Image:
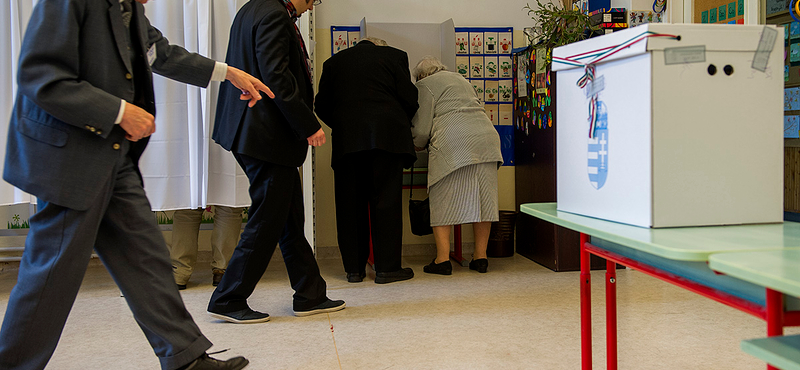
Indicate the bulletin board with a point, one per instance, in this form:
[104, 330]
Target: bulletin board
[483, 57]
[791, 78]
[719, 11]
[533, 106]
[343, 37]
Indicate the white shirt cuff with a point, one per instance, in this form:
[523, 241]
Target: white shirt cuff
[220, 71]
[121, 112]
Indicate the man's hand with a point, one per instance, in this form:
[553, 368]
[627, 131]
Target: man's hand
[317, 139]
[137, 122]
[249, 85]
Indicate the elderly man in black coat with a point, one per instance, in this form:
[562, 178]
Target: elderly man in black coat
[367, 98]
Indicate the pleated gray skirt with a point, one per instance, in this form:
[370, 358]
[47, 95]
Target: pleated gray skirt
[466, 195]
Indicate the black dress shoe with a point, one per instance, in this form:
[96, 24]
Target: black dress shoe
[390, 277]
[443, 268]
[479, 265]
[245, 316]
[356, 277]
[181, 286]
[205, 362]
[327, 306]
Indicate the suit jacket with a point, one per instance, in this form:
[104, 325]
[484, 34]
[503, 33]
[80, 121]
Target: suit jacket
[264, 43]
[367, 98]
[62, 140]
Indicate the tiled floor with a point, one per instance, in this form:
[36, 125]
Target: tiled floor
[518, 316]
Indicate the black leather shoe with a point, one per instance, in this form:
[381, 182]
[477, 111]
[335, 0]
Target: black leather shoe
[216, 276]
[327, 306]
[390, 277]
[444, 268]
[245, 316]
[479, 265]
[205, 362]
[356, 277]
[181, 286]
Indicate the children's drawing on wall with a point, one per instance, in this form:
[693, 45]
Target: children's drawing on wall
[639, 17]
[354, 37]
[491, 91]
[476, 67]
[340, 41]
[505, 67]
[478, 86]
[476, 42]
[490, 42]
[462, 66]
[491, 67]
[791, 127]
[504, 38]
[462, 41]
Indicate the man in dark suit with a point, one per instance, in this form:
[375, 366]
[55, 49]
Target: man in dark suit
[270, 141]
[367, 98]
[82, 116]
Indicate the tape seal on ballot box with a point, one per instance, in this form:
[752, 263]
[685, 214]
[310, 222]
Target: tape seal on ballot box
[768, 36]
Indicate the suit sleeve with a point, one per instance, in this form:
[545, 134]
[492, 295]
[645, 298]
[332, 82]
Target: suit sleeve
[406, 91]
[177, 63]
[323, 101]
[273, 48]
[49, 71]
[422, 123]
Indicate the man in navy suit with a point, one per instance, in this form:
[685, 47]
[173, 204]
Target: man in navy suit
[83, 113]
[270, 141]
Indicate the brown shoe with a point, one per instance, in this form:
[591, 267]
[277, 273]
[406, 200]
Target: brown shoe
[216, 276]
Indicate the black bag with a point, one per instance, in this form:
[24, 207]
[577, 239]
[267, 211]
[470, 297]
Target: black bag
[419, 213]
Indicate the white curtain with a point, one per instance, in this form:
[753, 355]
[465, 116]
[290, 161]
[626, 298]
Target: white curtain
[14, 15]
[182, 166]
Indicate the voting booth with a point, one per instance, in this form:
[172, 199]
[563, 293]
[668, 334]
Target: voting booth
[668, 125]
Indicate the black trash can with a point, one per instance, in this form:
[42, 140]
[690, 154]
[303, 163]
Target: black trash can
[501, 238]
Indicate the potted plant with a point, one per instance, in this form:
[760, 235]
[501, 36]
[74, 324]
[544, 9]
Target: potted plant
[557, 23]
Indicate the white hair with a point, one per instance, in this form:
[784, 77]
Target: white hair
[375, 40]
[428, 66]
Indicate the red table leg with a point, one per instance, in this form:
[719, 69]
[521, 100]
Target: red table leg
[586, 306]
[611, 314]
[774, 316]
[456, 253]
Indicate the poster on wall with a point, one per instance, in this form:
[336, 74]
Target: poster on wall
[483, 56]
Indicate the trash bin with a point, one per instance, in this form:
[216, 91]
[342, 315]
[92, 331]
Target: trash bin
[501, 237]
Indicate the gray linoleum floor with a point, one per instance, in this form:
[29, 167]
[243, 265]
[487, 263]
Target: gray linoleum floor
[518, 316]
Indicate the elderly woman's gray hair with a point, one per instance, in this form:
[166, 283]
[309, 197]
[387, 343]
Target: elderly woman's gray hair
[375, 40]
[428, 66]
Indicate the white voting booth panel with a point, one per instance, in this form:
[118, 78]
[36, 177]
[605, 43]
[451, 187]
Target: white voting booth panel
[689, 130]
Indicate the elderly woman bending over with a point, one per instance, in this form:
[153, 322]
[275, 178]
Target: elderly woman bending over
[464, 155]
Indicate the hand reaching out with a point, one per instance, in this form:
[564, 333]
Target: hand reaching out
[249, 85]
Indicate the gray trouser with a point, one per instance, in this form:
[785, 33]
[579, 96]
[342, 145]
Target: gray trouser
[122, 230]
[186, 226]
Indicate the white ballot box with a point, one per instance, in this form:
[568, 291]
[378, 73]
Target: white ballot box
[686, 130]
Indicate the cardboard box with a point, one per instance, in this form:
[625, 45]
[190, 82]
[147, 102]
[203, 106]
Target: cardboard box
[688, 130]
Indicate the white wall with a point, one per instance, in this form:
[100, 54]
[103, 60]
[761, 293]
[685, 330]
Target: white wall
[465, 13]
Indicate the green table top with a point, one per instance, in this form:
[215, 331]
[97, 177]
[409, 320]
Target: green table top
[778, 269]
[782, 352]
[683, 243]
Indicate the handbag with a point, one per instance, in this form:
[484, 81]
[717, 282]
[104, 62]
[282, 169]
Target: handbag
[419, 213]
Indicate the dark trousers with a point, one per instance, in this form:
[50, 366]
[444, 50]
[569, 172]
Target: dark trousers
[275, 216]
[369, 191]
[122, 230]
